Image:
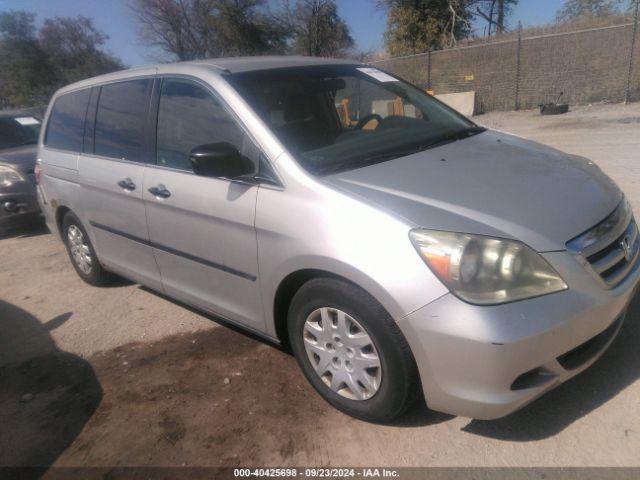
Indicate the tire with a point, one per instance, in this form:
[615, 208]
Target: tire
[95, 274]
[554, 109]
[397, 382]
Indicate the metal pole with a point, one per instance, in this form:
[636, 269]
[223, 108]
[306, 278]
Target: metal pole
[633, 42]
[518, 51]
[429, 70]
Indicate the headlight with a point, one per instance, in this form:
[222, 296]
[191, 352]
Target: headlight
[8, 175]
[486, 270]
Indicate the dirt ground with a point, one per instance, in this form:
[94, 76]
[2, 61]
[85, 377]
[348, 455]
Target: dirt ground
[120, 376]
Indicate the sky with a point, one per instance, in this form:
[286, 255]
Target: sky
[367, 22]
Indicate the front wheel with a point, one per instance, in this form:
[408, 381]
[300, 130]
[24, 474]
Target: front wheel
[351, 350]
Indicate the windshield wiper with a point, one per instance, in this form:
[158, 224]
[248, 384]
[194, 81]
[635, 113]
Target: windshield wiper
[382, 157]
[371, 160]
[458, 135]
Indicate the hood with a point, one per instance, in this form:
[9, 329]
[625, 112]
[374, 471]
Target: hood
[490, 184]
[20, 158]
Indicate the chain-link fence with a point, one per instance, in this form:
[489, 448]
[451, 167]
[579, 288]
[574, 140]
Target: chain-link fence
[590, 65]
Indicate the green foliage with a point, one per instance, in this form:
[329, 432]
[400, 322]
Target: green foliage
[35, 64]
[415, 26]
[25, 74]
[574, 9]
[72, 47]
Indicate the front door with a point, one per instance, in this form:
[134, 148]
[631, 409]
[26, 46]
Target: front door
[202, 229]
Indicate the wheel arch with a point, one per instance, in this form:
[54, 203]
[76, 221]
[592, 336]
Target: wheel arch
[288, 287]
[60, 213]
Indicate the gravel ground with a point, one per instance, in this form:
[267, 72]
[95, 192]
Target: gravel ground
[121, 376]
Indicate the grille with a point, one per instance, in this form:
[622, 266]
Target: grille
[610, 249]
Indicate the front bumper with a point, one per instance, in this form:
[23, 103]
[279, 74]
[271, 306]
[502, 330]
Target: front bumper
[18, 202]
[485, 362]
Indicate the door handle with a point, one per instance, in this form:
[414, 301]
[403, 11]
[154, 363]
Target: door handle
[127, 184]
[160, 191]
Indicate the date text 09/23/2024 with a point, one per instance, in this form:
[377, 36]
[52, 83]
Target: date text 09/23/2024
[316, 472]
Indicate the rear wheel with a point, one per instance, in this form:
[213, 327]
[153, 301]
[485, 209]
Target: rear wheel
[81, 253]
[351, 350]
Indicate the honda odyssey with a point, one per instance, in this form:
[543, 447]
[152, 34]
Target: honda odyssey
[394, 245]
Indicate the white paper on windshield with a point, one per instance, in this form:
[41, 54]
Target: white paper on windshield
[27, 121]
[378, 75]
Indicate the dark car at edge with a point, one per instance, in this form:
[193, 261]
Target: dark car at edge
[19, 133]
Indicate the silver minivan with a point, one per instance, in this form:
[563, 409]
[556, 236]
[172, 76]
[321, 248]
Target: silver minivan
[394, 245]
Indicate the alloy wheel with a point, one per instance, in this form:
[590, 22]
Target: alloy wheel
[79, 249]
[342, 353]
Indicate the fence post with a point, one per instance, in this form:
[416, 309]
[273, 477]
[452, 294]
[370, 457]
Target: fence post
[518, 51]
[429, 69]
[633, 41]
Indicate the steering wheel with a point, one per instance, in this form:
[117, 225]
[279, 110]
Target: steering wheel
[366, 119]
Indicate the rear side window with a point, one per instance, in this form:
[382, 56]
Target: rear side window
[120, 120]
[65, 129]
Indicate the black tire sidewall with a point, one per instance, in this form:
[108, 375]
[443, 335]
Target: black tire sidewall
[94, 277]
[398, 386]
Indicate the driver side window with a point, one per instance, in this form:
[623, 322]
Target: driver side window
[190, 116]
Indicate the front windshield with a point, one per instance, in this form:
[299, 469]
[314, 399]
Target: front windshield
[19, 130]
[334, 118]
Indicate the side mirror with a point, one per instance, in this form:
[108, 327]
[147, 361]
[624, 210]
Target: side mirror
[219, 160]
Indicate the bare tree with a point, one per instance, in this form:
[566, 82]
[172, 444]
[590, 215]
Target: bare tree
[178, 27]
[495, 13]
[415, 26]
[459, 19]
[190, 29]
[317, 29]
